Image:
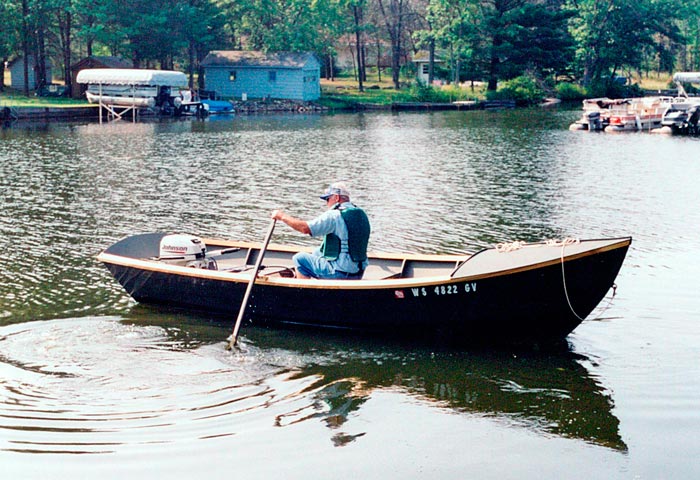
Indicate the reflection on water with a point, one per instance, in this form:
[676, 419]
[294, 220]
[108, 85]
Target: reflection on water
[547, 392]
[105, 385]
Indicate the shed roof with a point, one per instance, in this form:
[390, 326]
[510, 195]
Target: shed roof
[20, 58]
[423, 56]
[132, 76]
[249, 58]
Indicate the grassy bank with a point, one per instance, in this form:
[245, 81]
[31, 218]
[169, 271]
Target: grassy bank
[13, 99]
[342, 93]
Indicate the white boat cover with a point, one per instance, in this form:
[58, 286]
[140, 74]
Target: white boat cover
[687, 77]
[132, 76]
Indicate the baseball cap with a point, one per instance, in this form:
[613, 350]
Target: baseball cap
[337, 188]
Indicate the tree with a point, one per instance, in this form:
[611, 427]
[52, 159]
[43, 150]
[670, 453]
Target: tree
[63, 11]
[524, 35]
[10, 39]
[357, 7]
[395, 15]
[202, 29]
[452, 25]
[611, 34]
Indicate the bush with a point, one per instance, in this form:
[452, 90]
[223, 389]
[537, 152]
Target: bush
[523, 90]
[420, 92]
[570, 92]
[606, 88]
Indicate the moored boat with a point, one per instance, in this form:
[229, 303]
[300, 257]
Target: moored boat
[512, 293]
[638, 114]
[595, 114]
[217, 106]
[683, 116]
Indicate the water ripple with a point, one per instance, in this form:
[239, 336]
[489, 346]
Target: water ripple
[96, 385]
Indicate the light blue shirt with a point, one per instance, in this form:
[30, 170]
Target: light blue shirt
[331, 221]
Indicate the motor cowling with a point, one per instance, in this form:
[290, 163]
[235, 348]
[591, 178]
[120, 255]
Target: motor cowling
[183, 249]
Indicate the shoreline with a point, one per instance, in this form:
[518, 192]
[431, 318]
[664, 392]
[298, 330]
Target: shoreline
[90, 111]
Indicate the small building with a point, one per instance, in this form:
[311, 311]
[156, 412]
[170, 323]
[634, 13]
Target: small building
[253, 74]
[422, 61]
[16, 68]
[93, 61]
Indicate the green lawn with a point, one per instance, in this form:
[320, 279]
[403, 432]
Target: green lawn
[344, 89]
[12, 98]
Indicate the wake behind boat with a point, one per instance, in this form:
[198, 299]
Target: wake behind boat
[513, 293]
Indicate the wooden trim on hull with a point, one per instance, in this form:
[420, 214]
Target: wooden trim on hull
[389, 283]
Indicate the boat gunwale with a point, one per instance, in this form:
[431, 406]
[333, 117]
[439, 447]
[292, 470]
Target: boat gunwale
[360, 284]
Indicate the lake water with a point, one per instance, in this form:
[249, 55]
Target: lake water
[93, 385]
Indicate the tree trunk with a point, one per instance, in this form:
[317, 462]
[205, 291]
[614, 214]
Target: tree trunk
[65, 27]
[396, 67]
[191, 51]
[431, 62]
[25, 45]
[40, 73]
[379, 60]
[357, 14]
[201, 80]
[2, 73]
[394, 25]
[494, 64]
[364, 63]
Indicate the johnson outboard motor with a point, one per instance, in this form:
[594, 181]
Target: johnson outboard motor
[185, 250]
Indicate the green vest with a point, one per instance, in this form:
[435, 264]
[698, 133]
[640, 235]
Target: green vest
[358, 227]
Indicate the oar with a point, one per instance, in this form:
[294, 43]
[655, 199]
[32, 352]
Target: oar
[258, 262]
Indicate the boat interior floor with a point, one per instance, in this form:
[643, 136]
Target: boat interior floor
[280, 263]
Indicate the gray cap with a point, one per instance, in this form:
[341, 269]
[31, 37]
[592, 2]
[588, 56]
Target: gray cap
[337, 188]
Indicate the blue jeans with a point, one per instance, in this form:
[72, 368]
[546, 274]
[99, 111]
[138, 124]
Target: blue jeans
[316, 266]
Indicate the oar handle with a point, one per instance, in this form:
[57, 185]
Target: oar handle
[244, 304]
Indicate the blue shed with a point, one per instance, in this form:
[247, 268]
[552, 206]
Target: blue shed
[253, 74]
[16, 67]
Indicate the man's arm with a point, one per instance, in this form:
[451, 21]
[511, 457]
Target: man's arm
[296, 223]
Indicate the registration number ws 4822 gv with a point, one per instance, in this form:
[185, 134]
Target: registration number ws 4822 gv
[452, 289]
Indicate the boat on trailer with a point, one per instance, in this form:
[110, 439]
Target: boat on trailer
[515, 293]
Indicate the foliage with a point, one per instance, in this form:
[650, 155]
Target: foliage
[420, 92]
[607, 88]
[567, 91]
[486, 40]
[524, 90]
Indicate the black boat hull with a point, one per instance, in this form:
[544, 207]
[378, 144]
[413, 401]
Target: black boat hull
[541, 303]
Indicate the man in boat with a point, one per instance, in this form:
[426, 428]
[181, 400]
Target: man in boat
[345, 228]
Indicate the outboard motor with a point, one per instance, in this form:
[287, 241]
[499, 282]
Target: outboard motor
[185, 250]
[694, 119]
[594, 121]
[675, 119]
